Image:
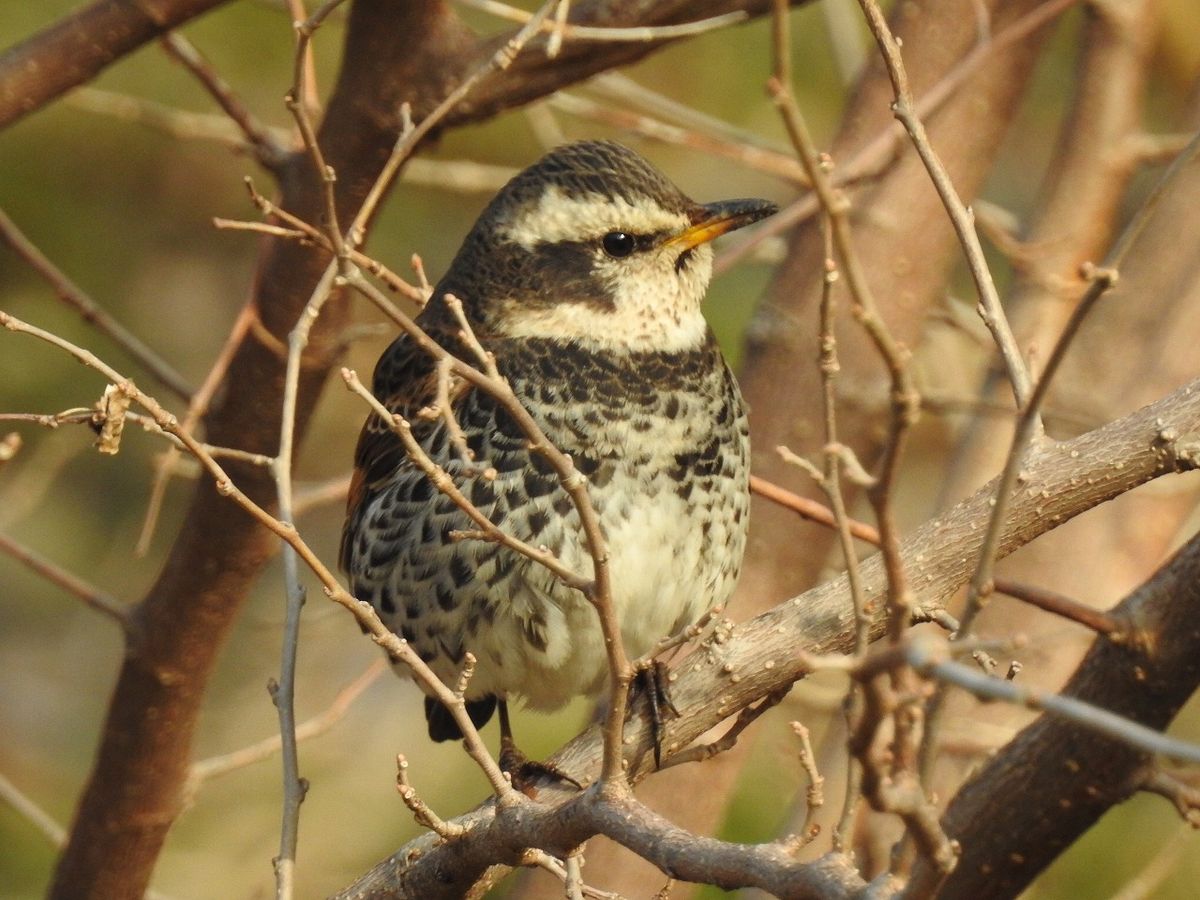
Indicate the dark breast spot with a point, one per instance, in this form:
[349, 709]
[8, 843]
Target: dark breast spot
[387, 601]
[537, 522]
[446, 598]
[461, 571]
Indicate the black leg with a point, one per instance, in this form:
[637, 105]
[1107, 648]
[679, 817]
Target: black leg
[523, 770]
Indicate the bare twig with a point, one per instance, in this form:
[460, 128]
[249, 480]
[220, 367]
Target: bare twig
[758, 158]
[418, 294]
[268, 149]
[1184, 796]
[92, 312]
[408, 141]
[31, 812]
[745, 718]
[905, 109]
[72, 584]
[929, 656]
[177, 123]
[815, 794]
[419, 808]
[197, 406]
[441, 479]
[567, 31]
[215, 766]
[1146, 884]
[308, 498]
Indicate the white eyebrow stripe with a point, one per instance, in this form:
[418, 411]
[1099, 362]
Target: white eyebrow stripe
[560, 217]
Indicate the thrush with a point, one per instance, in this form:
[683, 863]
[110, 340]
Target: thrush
[584, 277]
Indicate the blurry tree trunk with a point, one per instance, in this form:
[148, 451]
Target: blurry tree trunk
[1134, 347]
[135, 790]
[1006, 844]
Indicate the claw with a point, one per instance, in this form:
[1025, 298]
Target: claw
[651, 677]
[525, 772]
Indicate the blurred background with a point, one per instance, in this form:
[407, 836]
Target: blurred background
[125, 209]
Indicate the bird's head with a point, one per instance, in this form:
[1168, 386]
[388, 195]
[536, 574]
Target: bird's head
[593, 244]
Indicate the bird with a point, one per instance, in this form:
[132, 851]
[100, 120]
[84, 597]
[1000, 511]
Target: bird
[583, 278]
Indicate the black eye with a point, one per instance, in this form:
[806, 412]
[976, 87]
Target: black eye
[618, 244]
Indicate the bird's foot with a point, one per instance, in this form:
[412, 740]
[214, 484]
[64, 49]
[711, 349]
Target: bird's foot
[526, 773]
[650, 677]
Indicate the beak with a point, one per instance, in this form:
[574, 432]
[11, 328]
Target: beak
[714, 219]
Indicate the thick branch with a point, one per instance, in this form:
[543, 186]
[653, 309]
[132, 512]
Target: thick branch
[1060, 481]
[77, 47]
[1146, 679]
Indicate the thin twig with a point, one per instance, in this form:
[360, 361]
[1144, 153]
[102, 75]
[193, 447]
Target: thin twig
[169, 120]
[815, 794]
[334, 490]
[440, 478]
[874, 158]
[197, 406]
[745, 718]
[421, 811]
[32, 813]
[758, 158]
[75, 586]
[215, 766]
[92, 313]
[500, 60]
[418, 294]
[929, 658]
[363, 613]
[961, 218]
[1146, 884]
[268, 149]
[640, 33]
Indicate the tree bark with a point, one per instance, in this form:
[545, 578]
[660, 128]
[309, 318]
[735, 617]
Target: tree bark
[1068, 776]
[78, 47]
[134, 792]
[760, 657]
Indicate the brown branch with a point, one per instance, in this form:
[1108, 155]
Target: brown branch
[216, 766]
[270, 152]
[80, 45]
[72, 584]
[91, 311]
[136, 789]
[1005, 844]
[761, 657]
[1045, 600]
